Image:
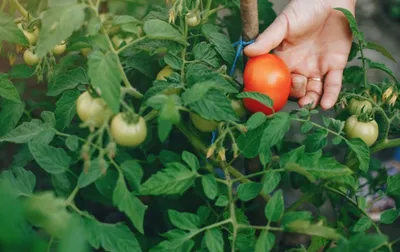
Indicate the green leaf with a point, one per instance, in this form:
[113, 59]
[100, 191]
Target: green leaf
[271, 180]
[8, 90]
[74, 238]
[24, 132]
[214, 240]
[10, 114]
[381, 49]
[174, 179]
[210, 186]
[256, 120]
[328, 167]
[220, 41]
[206, 53]
[316, 140]
[393, 185]
[108, 79]
[306, 127]
[222, 201]
[22, 181]
[198, 73]
[66, 108]
[21, 71]
[353, 23]
[128, 203]
[262, 98]
[94, 25]
[275, 131]
[353, 75]
[133, 173]
[142, 62]
[382, 67]
[215, 106]
[367, 242]
[290, 217]
[94, 172]
[68, 80]
[275, 207]
[191, 160]
[389, 216]
[316, 244]
[157, 29]
[52, 160]
[184, 221]
[173, 61]
[306, 227]
[362, 152]
[197, 92]
[249, 143]
[248, 191]
[266, 14]
[111, 237]
[363, 224]
[72, 142]
[106, 184]
[57, 25]
[181, 243]
[265, 242]
[10, 32]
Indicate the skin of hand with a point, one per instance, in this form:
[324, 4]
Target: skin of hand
[314, 40]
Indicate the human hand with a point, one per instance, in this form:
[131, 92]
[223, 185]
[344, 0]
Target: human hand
[314, 40]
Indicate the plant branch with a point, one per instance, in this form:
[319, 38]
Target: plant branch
[267, 228]
[130, 44]
[20, 8]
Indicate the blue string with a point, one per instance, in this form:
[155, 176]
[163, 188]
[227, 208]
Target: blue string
[240, 46]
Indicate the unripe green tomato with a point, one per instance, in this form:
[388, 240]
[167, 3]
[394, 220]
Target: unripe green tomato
[366, 131]
[85, 51]
[30, 58]
[202, 124]
[164, 73]
[59, 49]
[239, 108]
[92, 110]
[193, 19]
[357, 106]
[128, 134]
[32, 37]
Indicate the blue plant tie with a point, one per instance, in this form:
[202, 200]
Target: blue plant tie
[240, 46]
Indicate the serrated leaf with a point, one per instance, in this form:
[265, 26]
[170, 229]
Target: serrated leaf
[353, 23]
[112, 237]
[10, 32]
[275, 207]
[128, 203]
[141, 61]
[214, 240]
[191, 160]
[94, 172]
[317, 140]
[57, 26]
[275, 130]
[108, 79]
[174, 179]
[363, 224]
[290, 217]
[271, 180]
[210, 186]
[21, 71]
[222, 201]
[133, 173]
[361, 151]
[262, 98]
[381, 49]
[353, 75]
[248, 191]
[66, 108]
[10, 114]
[184, 221]
[389, 216]
[158, 29]
[24, 132]
[382, 67]
[72, 142]
[206, 53]
[173, 61]
[249, 143]
[23, 181]
[256, 120]
[306, 127]
[220, 41]
[393, 185]
[66, 81]
[8, 90]
[265, 242]
[52, 160]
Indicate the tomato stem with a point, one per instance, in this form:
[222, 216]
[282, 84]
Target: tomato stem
[20, 8]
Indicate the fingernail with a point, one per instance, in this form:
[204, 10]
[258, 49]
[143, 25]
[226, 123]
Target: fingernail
[297, 83]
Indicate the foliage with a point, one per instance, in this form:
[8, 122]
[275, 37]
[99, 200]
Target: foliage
[69, 185]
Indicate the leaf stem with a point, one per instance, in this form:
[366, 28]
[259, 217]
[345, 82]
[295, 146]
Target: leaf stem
[363, 63]
[130, 44]
[72, 196]
[267, 228]
[20, 8]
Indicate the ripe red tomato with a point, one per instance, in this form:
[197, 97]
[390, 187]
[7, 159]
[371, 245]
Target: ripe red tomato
[269, 75]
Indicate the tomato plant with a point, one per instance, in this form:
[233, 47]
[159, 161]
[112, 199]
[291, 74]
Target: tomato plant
[126, 126]
[269, 75]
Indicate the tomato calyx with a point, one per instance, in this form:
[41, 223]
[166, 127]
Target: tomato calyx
[130, 117]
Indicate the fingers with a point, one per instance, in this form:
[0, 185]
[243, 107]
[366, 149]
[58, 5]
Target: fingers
[299, 84]
[313, 95]
[269, 39]
[332, 87]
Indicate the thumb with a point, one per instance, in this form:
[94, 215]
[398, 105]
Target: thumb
[270, 38]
